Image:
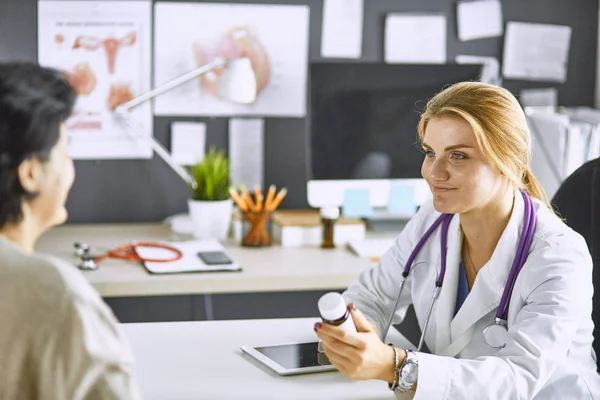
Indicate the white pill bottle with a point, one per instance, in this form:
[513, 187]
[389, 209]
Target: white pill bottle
[334, 311]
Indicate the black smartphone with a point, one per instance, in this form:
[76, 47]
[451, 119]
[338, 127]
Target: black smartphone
[214, 258]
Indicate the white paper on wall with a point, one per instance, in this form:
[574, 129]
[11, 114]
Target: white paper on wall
[415, 39]
[479, 19]
[536, 52]
[246, 151]
[188, 141]
[342, 31]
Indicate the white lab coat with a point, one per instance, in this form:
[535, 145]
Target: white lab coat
[548, 354]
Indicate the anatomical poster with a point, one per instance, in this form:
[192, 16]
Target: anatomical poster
[273, 37]
[103, 48]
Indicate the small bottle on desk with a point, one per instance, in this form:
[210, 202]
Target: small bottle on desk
[329, 216]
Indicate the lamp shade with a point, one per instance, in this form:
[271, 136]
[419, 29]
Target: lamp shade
[238, 82]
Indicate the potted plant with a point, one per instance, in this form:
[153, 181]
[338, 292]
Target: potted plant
[211, 205]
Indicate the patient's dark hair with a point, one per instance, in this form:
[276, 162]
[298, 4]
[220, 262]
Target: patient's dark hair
[34, 101]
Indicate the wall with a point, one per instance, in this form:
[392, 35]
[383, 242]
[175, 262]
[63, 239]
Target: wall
[147, 190]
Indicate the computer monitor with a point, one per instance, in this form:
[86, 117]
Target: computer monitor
[362, 127]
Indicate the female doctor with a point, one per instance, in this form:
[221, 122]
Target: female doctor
[501, 287]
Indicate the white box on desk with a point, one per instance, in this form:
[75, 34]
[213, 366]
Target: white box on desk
[303, 228]
[300, 236]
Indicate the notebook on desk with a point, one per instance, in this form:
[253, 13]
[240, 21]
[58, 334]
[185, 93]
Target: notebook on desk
[190, 262]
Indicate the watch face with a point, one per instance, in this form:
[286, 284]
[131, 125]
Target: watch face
[409, 373]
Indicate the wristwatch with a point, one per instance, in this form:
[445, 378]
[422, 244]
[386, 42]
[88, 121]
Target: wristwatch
[408, 372]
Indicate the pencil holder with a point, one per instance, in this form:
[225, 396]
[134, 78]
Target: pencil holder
[256, 229]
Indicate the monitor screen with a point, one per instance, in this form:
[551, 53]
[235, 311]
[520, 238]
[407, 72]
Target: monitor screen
[364, 117]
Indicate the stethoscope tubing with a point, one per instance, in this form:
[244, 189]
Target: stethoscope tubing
[527, 234]
[128, 253]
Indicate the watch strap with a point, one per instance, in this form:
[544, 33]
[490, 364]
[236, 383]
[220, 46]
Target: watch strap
[411, 357]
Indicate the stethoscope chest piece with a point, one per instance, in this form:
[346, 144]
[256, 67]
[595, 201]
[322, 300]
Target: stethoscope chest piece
[495, 334]
[81, 249]
[88, 261]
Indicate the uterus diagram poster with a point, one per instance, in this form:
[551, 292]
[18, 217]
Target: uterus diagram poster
[104, 50]
[273, 37]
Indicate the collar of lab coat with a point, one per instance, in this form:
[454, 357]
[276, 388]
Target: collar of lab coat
[487, 290]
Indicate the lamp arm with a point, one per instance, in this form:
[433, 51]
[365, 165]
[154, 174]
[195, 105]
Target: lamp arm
[123, 111]
[165, 87]
[159, 149]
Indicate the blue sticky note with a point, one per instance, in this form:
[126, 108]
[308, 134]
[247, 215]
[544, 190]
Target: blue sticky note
[402, 199]
[356, 203]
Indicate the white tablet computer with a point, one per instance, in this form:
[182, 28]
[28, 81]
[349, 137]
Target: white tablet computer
[291, 358]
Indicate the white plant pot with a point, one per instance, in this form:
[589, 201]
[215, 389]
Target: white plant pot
[210, 219]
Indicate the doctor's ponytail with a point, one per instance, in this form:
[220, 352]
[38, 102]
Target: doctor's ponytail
[500, 127]
[534, 188]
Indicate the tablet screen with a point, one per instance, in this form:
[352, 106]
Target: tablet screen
[299, 355]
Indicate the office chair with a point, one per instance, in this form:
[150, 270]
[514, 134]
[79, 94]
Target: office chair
[578, 201]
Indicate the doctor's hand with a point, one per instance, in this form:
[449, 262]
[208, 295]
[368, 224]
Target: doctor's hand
[360, 355]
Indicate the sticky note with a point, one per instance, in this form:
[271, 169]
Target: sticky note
[402, 199]
[342, 28]
[356, 203]
[479, 19]
[246, 151]
[415, 38]
[187, 142]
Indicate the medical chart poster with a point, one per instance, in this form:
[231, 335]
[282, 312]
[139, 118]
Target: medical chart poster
[103, 47]
[273, 37]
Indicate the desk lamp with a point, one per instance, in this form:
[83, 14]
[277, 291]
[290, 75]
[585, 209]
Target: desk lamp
[237, 84]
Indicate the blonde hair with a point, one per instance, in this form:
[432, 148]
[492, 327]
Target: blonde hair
[499, 124]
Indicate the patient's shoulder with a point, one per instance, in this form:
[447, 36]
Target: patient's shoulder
[68, 278]
[41, 283]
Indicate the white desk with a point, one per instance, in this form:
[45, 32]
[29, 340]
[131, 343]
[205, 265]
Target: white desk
[202, 360]
[264, 269]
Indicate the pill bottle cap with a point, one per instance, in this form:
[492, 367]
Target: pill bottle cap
[332, 306]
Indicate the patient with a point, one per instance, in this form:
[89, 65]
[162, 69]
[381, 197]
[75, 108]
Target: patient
[58, 339]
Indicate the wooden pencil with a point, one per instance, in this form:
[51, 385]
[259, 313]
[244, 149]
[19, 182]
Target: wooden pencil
[270, 197]
[247, 198]
[278, 199]
[238, 200]
[258, 196]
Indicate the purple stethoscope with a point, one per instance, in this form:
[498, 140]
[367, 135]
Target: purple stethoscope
[495, 334]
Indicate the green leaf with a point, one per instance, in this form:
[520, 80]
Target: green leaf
[212, 177]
